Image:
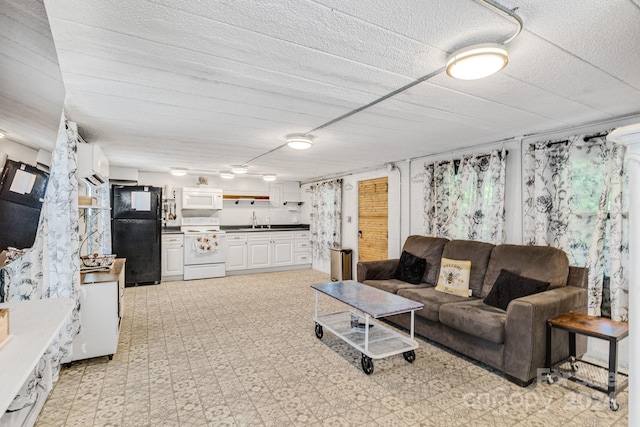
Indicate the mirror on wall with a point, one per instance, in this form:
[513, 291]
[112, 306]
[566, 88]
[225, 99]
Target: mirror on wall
[31, 104]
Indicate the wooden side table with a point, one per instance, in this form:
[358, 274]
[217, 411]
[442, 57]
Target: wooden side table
[591, 326]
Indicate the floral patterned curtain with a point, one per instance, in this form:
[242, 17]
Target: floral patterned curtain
[576, 199]
[326, 217]
[51, 268]
[467, 203]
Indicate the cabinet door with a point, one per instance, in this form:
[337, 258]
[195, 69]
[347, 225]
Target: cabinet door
[282, 252]
[172, 255]
[276, 196]
[259, 251]
[236, 255]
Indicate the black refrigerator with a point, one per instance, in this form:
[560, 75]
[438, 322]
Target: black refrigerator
[136, 231]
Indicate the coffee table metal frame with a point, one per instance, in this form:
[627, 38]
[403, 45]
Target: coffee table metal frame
[355, 327]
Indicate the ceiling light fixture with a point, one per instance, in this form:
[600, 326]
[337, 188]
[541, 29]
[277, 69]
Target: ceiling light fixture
[178, 171]
[299, 141]
[239, 169]
[477, 61]
[227, 175]
[2, 134]
[269, 177]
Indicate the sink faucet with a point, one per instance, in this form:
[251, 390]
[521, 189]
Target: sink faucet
[255, 220]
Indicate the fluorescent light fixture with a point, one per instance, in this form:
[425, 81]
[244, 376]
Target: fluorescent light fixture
[227, 175]
[299, 141]
[478, 61]
[178, 171]
[269, 177]
[239, 169]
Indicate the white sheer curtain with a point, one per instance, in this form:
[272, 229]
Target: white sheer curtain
[326, 217]
[51, 268]
[576, 199]
[467, 203]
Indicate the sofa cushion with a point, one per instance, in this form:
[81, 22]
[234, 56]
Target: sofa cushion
[431, 299]
[454, 277]
[392, 285]
[475, 318]
[510, 286]
[410, 268]
[542, 263]
[429, 248]
[478, 253]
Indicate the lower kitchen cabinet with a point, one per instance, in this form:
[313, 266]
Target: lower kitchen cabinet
[172, 256]
[100, 313]
[267, 251]
[236, 251]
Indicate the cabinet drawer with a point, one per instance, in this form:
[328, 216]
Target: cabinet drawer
[173, 239]
[303, 246]
[259, 236]
[303, 258]
[282, 235]
[303, 235]
[232, 237]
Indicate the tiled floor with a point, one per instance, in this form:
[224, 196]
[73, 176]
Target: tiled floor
[241, 351]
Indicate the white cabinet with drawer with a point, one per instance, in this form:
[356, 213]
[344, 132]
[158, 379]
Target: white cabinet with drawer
[236, 251]
[303, 247]
[172, 256]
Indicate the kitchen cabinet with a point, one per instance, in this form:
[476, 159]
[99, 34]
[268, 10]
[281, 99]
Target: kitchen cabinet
[259, 250]
[100, 313]
[236, 251]
[172, 255]
[276, 196]
[282, 248]
[302, 247]
[201, 198]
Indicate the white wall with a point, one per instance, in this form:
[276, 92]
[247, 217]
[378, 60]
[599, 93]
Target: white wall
[232, 213]
[18, 152]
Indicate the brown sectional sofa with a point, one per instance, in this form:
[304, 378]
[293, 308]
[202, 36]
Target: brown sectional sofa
[512, 341]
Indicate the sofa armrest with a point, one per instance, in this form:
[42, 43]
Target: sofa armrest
[377, 270]
[526, 329]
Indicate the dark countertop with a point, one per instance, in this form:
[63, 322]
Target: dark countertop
[171, 230]
[275, 227]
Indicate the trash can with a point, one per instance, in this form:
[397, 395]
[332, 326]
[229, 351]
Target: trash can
[340, 264]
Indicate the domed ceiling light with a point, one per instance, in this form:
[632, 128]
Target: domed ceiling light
[178, 171]
[478, 61]
[299, 141]
[269, 177]
[227, 175]
[239, 169]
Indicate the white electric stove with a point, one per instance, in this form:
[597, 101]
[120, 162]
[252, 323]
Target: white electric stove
[204, 248]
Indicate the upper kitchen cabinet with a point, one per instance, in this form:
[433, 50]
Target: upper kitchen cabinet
[201, 198]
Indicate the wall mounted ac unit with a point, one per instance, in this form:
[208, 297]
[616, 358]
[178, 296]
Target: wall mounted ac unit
[93, 166]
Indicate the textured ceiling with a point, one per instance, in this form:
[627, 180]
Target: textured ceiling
[204, 85]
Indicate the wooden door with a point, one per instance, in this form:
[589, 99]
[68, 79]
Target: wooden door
[373, 219]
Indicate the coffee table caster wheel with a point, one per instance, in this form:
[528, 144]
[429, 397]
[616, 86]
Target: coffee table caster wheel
[319, 331]
[409, 356]
[573, 364]
[613, 405]
[367, 364]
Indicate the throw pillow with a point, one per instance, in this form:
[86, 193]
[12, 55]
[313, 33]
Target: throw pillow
[454, 277]
[509, 286]
[410, 268]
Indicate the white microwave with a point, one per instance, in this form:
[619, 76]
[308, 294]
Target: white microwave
[201, 198]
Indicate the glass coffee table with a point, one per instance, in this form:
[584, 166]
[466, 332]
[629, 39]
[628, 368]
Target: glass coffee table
[373, 339]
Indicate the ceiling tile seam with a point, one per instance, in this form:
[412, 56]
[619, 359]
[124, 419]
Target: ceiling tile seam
[257, 89]
[164, 89]
[479, 146]
[297, 44]
[372, 67]
[584, 61]
[291, 76]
